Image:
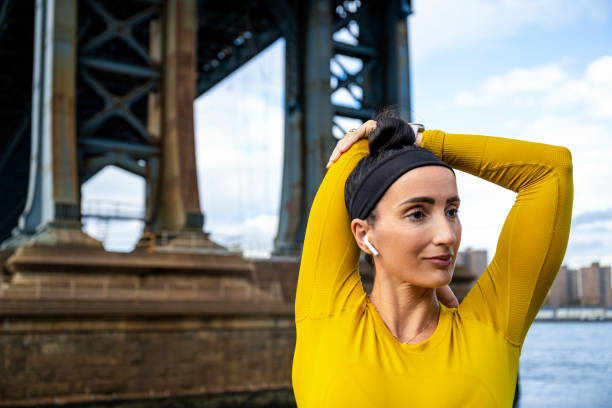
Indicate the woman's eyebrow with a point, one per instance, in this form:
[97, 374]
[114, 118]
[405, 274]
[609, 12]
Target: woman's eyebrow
[428, 200]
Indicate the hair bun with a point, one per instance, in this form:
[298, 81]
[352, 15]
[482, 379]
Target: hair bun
[391, 133]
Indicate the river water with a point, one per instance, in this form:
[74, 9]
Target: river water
[567, 365]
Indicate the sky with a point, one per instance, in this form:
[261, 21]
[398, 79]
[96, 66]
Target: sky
[537, 70]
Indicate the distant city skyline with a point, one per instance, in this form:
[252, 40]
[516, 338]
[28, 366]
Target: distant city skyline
[585, 286]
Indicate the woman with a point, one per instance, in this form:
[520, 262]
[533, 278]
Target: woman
[401, 346]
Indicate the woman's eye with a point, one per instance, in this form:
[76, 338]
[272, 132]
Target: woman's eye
[453, 212]
[417, 215]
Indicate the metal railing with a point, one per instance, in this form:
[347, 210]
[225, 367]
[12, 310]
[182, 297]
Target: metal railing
[112, 210]
[101, 213]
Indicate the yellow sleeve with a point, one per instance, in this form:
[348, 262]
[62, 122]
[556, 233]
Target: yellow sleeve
[329, 279]
[534, 237]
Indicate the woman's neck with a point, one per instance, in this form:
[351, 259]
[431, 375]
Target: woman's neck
[410, 312]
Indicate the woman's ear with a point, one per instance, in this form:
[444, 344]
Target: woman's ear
[360, 228]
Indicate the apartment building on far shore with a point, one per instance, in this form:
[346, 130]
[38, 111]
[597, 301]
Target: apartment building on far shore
[587, 286]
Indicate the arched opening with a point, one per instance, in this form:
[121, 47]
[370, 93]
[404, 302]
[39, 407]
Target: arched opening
[112, 208]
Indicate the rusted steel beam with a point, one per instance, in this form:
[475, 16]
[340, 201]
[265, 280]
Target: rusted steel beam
[308, 118]
[235, 56]
[61, 94]
[397, 64]
[178, 198]
[117, 106]
[119, 67]
[51, 213]
[154, 127]
[292, 192]
[114, 29]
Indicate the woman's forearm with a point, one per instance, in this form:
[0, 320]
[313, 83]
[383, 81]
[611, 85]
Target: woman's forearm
[509, 163]
[328, 278]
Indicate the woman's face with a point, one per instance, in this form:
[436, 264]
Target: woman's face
[417, 220]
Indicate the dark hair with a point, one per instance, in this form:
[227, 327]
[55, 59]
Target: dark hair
[391, 134]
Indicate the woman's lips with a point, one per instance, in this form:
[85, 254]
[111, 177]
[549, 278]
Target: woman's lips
[441, 260]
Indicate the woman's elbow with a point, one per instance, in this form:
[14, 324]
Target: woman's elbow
[564, 170]
[563, 158]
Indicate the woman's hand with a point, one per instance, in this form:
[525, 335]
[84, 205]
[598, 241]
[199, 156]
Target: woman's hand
[447, 297]
[362, 132]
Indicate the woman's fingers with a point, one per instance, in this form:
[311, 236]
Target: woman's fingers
[340, 148]
[333, 156]
[369, 126]
[447, 297]
[350, 138]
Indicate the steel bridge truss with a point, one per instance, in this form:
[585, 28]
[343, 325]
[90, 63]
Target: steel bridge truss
[114, 84]
[119, 62]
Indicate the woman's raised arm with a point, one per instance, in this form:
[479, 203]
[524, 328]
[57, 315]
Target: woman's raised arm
[329, 278]
[534, 237]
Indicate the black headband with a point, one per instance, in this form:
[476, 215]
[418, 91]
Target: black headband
[380, 178]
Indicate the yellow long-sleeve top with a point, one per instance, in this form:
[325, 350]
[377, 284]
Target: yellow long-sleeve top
[345, 356]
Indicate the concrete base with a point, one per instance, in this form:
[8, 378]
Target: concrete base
[64, 234]
[197, 241]
[67, 281]
[87, 327]
[140, 362]
[273, 398]
[29, 258]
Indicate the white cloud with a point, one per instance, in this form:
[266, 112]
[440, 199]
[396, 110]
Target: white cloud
[465, 98]
[519, 81]
[117, 236]
[115, 185]
[599, 76]
[239, 156]
[253, 236]
[548, 88]
[441, 25]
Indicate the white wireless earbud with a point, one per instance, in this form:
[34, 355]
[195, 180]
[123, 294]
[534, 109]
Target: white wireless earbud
[370, 246]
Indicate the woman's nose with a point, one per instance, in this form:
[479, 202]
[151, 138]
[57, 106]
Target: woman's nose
[445, 232]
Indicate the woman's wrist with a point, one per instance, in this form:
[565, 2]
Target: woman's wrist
[417, 131]
[353, 135]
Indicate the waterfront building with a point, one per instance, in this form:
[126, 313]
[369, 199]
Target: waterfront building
[474, 260]
[564, 290]
[594, 285]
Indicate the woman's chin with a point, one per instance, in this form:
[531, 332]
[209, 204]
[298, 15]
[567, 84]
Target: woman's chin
[441, 279]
